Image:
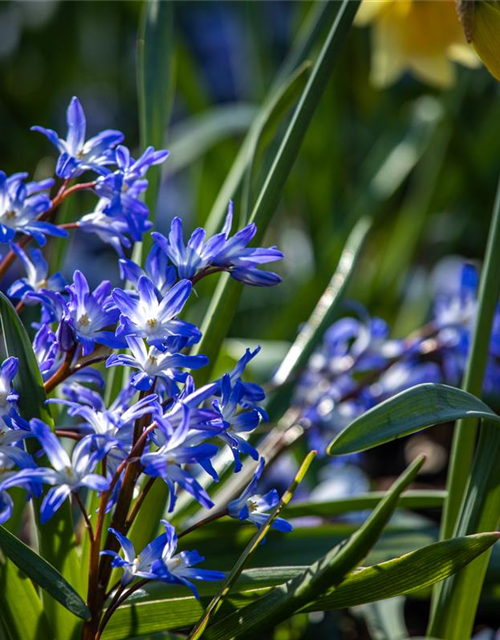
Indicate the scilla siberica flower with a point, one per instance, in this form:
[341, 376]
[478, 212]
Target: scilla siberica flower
[255, 508]
[122, 188]
[8, 397]
[146, 316]
[68, 475]
[37, 270]
[220, 252]
[77, 154]
[21, 204]
[158, 561]
[153, 363]
[178, 447]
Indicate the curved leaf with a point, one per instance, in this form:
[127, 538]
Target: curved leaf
[42, 573]
[417, 408]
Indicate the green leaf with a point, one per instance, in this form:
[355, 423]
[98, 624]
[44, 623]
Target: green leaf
[155, 82]
[21, 612]
[56, 537]
[42, 573]
[324, 574]
[28, 381]
[215, 604]
[411, 572]
[416, 408]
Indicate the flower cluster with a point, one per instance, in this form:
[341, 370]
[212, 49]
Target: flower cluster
[160, 427]
[359, 365]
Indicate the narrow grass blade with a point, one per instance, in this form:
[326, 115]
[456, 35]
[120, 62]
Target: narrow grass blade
[416, 408]
[326, 573]
[42, 573]
[215, 604]
[316, 24]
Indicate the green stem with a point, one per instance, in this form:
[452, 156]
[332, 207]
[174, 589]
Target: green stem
[466, 430]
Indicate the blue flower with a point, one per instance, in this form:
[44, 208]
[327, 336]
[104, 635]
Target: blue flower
[151, 318]
[21, 204]
[157, 269]
[178, 568]
[78, 155]
[112, 231]
[154, 363]
[235, 422]
[179, 447]
[254, 507]
[85, 317]
[158, 561]
[8, 397]
[37, 270]
[191, 257]
[123, 188]
[68, 475]
[221, 253]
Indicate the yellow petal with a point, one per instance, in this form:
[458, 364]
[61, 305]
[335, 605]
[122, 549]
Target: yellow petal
[369, 11]
[486, 35]
[465, 55]
[435, 70]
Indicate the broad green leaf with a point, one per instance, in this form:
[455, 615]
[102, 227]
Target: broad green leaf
[189, 140]
[416, 408]
[235, 572]
[411, 572]
[56, 537]
[155, 81]
[42, 573]
[21, 611]
[326, 573]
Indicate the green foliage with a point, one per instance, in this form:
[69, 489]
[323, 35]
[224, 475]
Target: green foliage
[416, 408]
[42, 573]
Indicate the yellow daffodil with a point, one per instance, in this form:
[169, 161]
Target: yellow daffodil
[424, 37]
